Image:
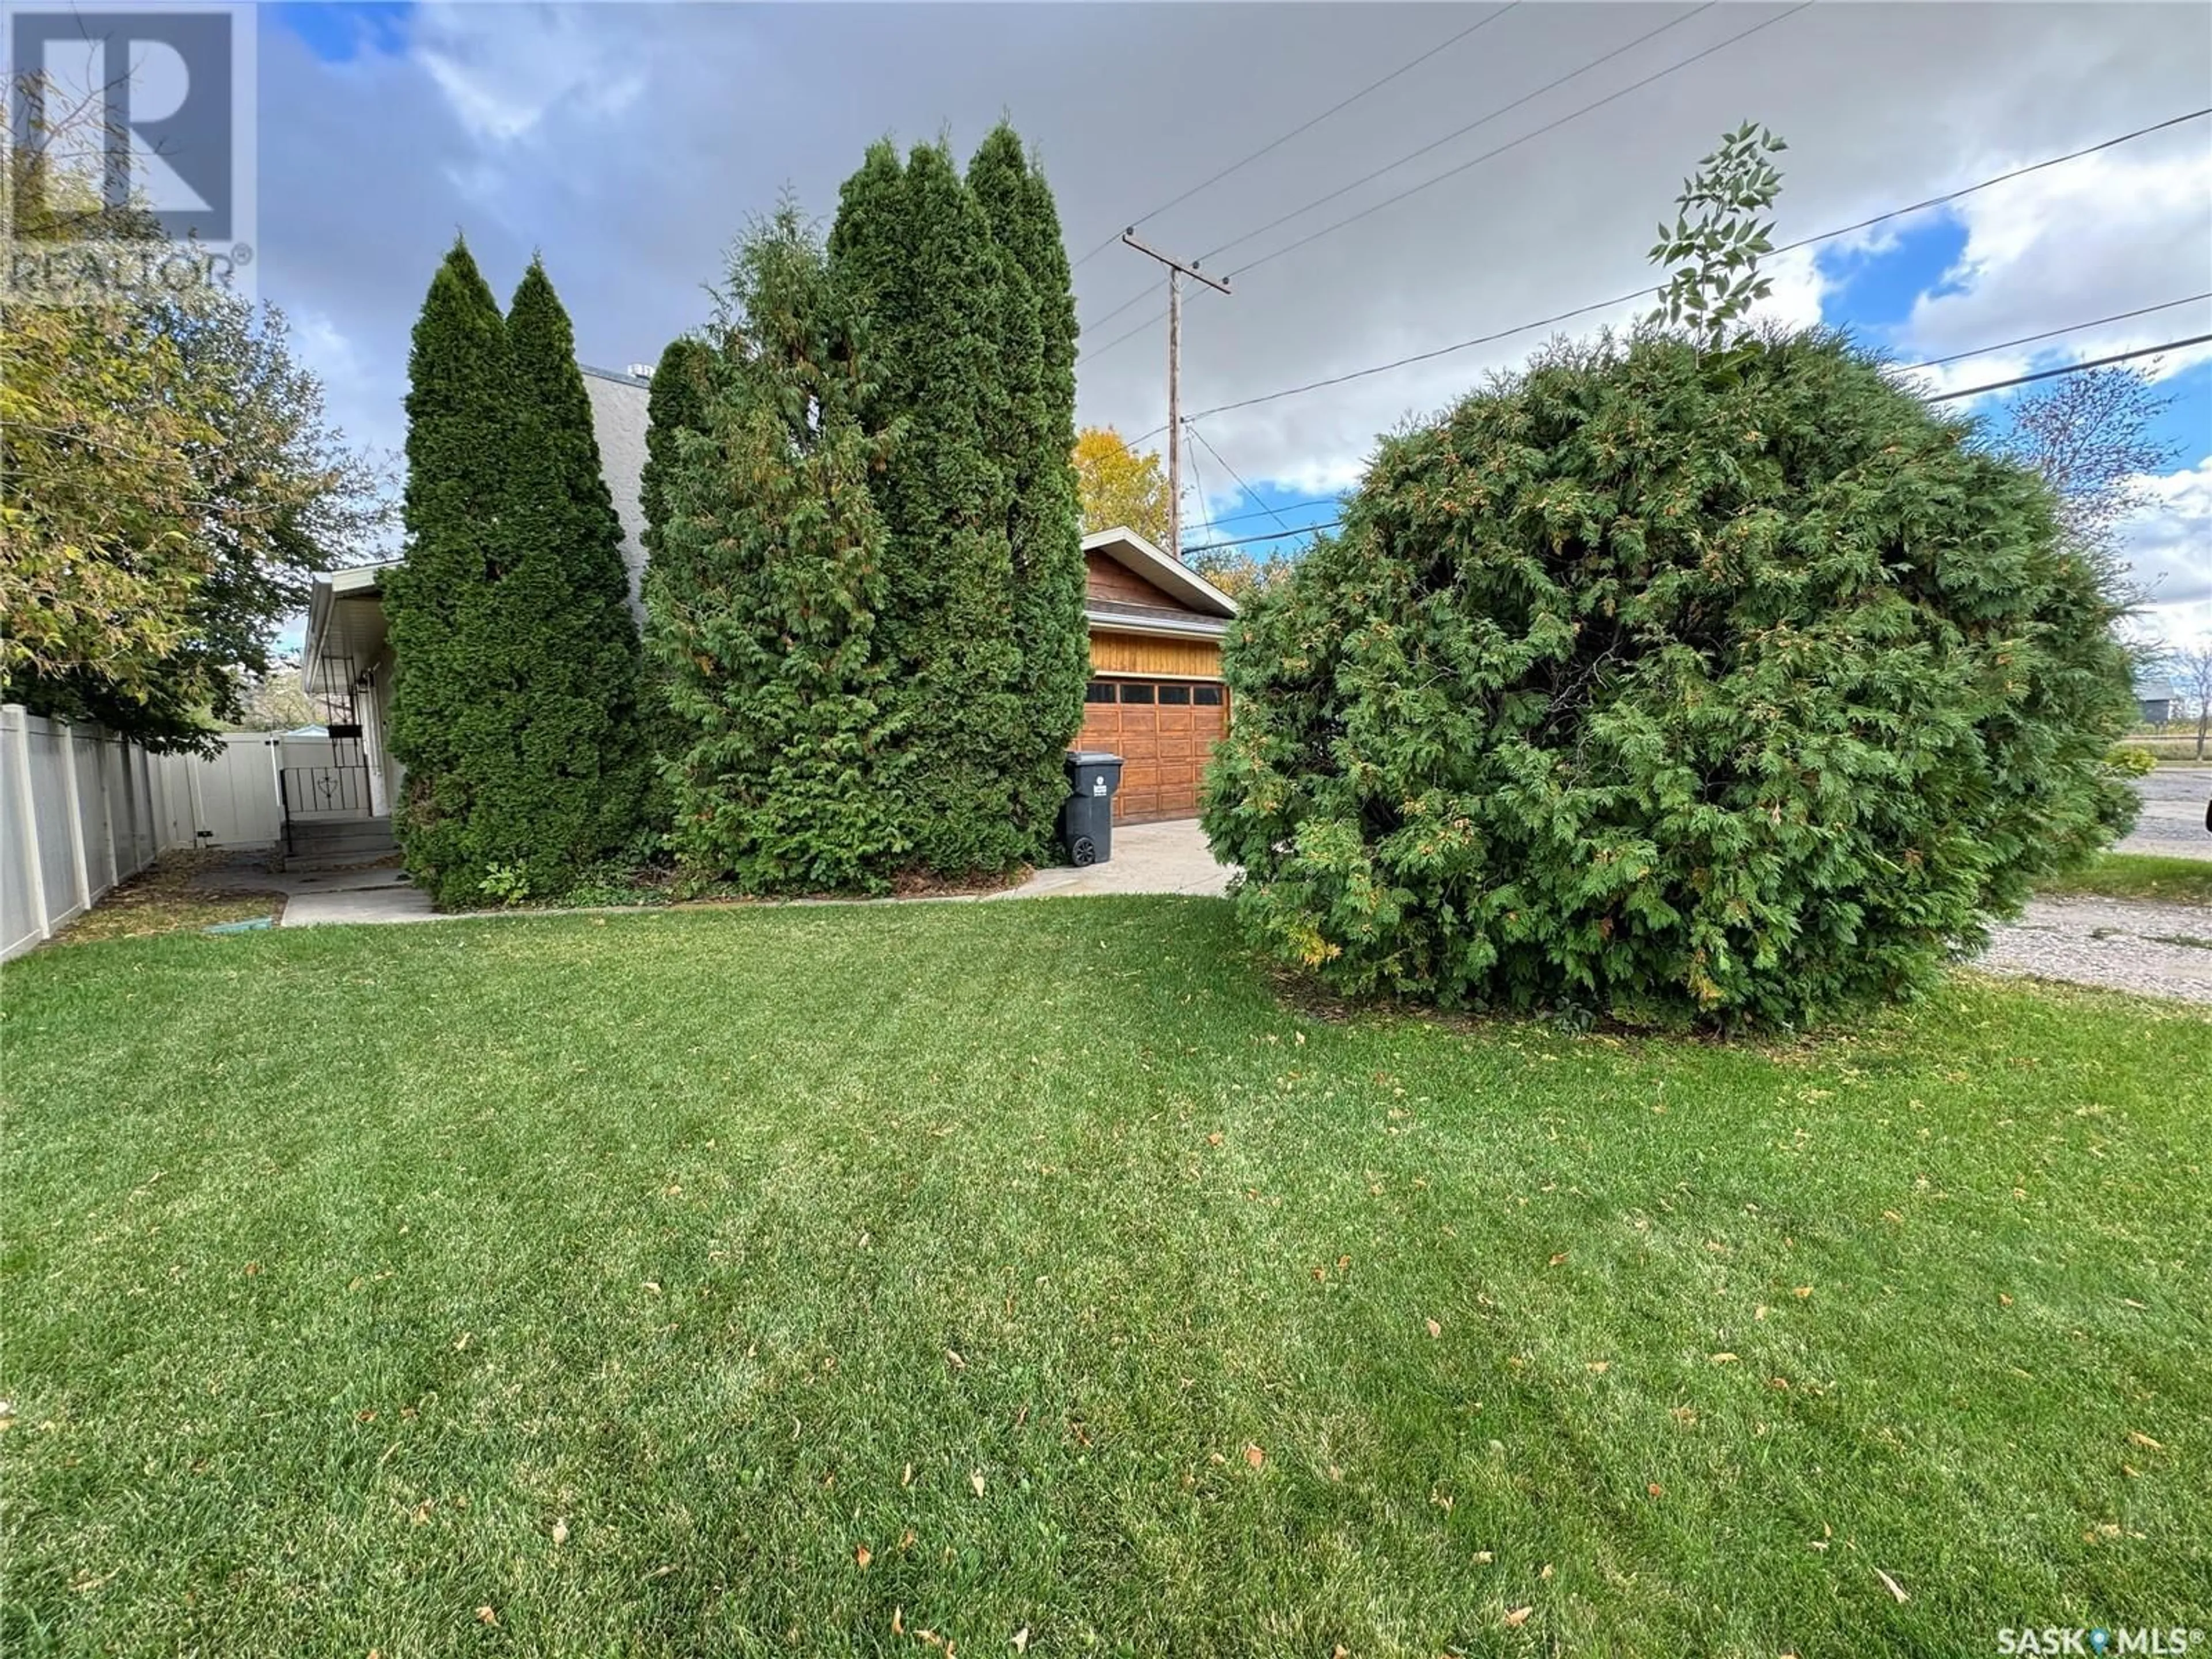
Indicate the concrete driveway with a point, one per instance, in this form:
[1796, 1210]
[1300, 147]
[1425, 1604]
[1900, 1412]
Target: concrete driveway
[1148, 857]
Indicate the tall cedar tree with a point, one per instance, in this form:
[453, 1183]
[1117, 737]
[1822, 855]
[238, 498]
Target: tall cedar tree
[767, 574]
[912, 248]
[449, 705]
[1036, 438]
[514, 710]
[676, 405]
[567, 602]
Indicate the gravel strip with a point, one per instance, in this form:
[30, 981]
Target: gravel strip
[2160, 949]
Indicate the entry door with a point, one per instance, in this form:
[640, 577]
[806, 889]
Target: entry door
[1164, 730]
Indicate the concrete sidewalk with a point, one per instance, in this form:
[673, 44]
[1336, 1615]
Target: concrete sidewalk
[313, 898]
[1148, 857]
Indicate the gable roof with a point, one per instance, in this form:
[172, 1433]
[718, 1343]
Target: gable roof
[1140, 558]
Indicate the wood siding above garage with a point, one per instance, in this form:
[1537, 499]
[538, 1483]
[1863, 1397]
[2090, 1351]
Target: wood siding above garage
[1145, 653]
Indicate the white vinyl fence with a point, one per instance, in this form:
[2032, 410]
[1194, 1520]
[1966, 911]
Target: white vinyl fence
[81, 809]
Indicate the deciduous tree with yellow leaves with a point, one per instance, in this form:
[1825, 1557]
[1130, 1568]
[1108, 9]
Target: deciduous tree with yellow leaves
[1122, 487]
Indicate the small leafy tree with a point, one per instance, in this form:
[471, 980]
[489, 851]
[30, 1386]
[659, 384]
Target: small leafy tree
[170, 483]
[767, 573]
[1718, 238]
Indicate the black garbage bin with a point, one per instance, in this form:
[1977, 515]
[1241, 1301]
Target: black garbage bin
[1086, 819]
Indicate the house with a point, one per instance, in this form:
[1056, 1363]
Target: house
[1156, 696]
[2155, 702]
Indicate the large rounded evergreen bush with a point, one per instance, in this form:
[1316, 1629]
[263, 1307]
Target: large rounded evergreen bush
[1720, 690]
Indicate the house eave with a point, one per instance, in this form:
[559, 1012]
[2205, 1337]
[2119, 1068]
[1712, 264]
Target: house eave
[1177, 627]
[1140, 558]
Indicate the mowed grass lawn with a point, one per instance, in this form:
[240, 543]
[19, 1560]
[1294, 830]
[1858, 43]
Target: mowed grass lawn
[985, 1278]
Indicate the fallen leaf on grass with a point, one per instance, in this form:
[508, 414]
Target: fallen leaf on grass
[1255, 1456]
[485, 1615]
[862, 1555]
[1435, 1329]
[2137, 1438]
[1557, 1259]
[1214, 1138]
[1724, 1359]
[976, 1481]
[1892, 1585]
[1484, 1557]
[560, 1531]
[1657, 1490]
[959, 1364]
[1021, 1640]
[1517, 1617]
[1802, 1292]
[1599, 1367]
[907, 1480]
[898, 1621]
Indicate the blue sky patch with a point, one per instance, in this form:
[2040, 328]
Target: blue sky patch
[1874, 293]
[337, 33]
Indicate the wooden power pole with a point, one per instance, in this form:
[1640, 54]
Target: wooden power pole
[1176, 272]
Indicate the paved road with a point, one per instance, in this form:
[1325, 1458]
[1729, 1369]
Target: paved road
[2173, 822]
[2126, 945]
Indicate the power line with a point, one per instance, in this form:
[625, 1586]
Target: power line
[1549, 126]
[1215, 524]
[1490, 155]
[1937, 398]
[1266, 535]
[2070, 368]
[2050, 333]
[1460, 132]
[1497, 335]
[1308, 125]
[1199, 479]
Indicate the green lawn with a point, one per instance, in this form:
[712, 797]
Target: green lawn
[804, 1280]
[2137, 876]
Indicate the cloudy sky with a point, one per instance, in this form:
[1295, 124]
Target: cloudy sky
[1512, 171]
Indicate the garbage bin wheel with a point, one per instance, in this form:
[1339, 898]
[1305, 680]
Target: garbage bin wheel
[1084, 851]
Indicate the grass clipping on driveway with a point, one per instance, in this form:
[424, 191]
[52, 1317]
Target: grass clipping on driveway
[1027, 1278]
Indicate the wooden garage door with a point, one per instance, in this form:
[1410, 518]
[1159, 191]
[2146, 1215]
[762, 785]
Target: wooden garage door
[1164, 730]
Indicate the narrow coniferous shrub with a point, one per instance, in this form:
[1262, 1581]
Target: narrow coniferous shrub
[912, 250]
[1034, 431]
[449, 698]
[676, 405]
[515, 708]
[1740, 688]
[767, 572]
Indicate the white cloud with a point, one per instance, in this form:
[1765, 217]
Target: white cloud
[2168, 540]
[503, 69]
[2101, 235]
